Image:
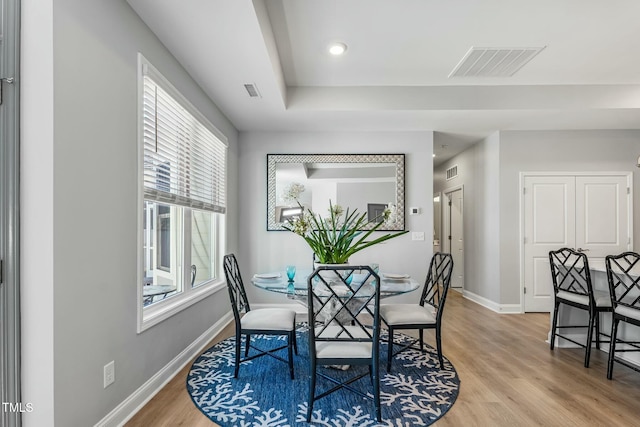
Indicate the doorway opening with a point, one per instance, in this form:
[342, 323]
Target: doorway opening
[453, 239]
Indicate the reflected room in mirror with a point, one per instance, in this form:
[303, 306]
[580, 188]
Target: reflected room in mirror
[365, 182]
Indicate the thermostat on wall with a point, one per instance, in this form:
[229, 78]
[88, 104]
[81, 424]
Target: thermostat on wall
[414, 211]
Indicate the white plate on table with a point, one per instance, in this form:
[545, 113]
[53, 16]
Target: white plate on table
[267, 276]
[395, 276]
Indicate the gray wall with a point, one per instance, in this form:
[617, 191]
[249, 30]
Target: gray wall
[80, 181]
[490, 172]
[540, 151]
[265, 250]
[478, 176]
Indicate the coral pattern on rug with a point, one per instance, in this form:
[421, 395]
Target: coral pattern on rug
[416, 392]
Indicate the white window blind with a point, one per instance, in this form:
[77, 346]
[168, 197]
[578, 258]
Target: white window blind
[184, 161]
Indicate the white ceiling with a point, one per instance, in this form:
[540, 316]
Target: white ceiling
[394, 75]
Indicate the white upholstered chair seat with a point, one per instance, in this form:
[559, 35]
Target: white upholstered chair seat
[342, 350]
[408, 314]
[629, 312]
[269, 319]
[602, 298]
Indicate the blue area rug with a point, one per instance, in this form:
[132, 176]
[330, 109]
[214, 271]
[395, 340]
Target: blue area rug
[415, 393]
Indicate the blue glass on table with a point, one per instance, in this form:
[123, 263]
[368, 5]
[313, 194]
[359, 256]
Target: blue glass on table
[291, 272]
[349, 278]
[375, 267]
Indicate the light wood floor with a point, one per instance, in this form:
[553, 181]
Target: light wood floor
[508, 376]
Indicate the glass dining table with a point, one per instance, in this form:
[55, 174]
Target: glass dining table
[277, 281]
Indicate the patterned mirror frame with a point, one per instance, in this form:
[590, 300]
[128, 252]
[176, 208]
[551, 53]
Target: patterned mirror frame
[275, 159]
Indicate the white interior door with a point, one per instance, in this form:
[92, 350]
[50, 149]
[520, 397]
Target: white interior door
[602, 215]
[584, 212]
[455, 204]
[549, 205]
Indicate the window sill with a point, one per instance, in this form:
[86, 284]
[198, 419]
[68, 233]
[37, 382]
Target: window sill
[151, 316]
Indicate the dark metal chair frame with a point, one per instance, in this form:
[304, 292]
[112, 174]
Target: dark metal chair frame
[239, 304]
[570, 273]
[434, 293]
[625, 293]
[349, 313]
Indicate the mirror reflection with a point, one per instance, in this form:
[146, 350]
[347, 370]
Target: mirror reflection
[367, 183]
[437, 222]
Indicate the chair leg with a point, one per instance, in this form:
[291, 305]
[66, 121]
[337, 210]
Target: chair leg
[587, 354]
[247, 344]
[612, 347]
[290, 340]
[597, 314]
[421, 334]
[439, 347]
[376, 389]
[237, 366]
[312, 390]
[390, 349]
[552, 341]
[295, 342]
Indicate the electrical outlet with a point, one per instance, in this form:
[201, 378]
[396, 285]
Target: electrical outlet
[109, 373]
[417, 235]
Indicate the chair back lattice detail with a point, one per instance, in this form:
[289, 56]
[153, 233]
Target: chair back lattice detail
[237, 294]
[337, 300]
[570, 272]
[624, 287]
[437, 282]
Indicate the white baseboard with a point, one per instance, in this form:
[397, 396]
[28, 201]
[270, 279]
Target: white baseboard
[493, 306]
[132, 404]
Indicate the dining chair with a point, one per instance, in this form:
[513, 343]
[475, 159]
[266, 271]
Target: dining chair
[426, 314]
[623, 275]
[344, 330]
[263, 321]
[573, 287]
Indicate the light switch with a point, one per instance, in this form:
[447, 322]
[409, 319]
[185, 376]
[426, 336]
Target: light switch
[417, 235]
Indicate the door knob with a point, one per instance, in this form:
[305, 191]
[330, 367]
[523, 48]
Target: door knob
[582, 250]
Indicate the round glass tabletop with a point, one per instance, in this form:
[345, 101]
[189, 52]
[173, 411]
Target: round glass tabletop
[277, 281]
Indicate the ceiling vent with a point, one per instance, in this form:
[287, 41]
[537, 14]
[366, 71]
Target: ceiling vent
[252, 90]
[452, 172]
[494, 61]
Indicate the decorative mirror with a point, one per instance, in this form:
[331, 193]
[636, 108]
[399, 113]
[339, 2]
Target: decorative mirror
[366, 182]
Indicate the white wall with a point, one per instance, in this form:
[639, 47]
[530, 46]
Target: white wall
[79, 182]
[263, 250]
[490, 173]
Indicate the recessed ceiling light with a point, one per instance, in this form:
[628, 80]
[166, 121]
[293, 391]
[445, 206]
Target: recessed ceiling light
[434, 154]
[337, 48]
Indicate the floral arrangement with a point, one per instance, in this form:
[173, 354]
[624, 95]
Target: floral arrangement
[292, 192]
[335, 238]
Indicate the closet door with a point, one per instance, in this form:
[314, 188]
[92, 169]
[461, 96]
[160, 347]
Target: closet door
[588, 213]
[549, 219]
[602, 216]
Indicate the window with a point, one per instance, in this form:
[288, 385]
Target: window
[183, 183]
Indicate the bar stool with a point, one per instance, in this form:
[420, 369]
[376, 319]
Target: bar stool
[572, 286]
